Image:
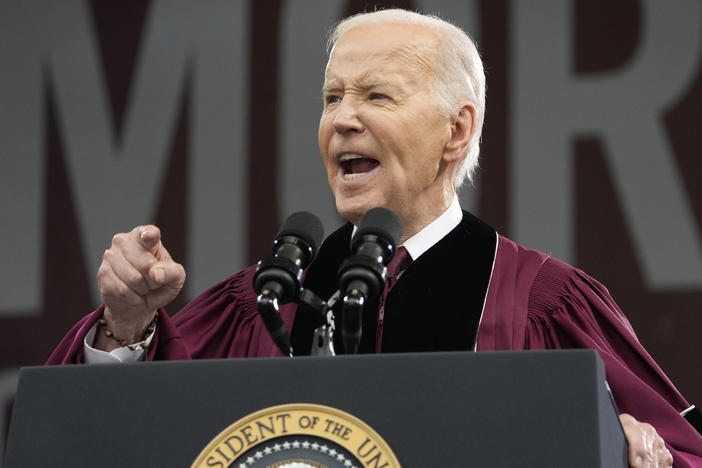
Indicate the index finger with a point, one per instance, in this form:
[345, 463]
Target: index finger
[137, 249]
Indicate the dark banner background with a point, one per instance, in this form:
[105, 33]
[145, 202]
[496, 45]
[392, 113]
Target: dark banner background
[264, 182]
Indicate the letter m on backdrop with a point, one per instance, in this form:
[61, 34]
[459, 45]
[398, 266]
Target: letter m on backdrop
[50, 50]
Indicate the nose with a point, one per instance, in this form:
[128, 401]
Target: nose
[346, 118]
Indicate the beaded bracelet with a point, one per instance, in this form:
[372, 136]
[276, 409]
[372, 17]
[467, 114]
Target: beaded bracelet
[102, 323]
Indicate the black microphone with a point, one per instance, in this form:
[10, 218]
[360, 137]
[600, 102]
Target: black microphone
[278, 277]
[362, 276]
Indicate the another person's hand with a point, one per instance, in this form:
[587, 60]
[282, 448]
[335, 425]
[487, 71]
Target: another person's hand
[136, 277]
[646, 447]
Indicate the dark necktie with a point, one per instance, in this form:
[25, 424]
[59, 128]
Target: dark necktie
[396, 267]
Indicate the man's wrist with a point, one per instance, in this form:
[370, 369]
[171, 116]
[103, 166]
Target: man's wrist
[111, 335]
[125, 354]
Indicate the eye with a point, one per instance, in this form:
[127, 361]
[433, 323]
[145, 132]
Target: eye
[376, 96]
[331, 99]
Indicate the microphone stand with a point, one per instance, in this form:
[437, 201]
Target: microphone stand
[267, 305]
[352, 312]
[323, 344]
[323, 337]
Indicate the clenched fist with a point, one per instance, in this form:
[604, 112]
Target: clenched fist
[136, 277]
[646, 447]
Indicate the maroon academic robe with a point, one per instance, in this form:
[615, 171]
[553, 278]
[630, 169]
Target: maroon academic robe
[521, 299]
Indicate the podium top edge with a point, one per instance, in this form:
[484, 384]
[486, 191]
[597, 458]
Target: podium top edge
[580, 355]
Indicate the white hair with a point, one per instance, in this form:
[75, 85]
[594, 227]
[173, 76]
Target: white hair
[459, 71]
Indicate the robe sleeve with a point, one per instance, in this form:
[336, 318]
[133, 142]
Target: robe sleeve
[222, 322]
[166, 344]
[568, 309]
[70, 348]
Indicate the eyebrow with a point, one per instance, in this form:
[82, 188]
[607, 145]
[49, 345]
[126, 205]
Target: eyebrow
[327, 87]
[364, 82]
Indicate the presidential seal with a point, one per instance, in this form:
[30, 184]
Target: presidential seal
[298, 435]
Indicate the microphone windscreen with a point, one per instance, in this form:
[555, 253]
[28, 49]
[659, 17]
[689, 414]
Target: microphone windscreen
[306, 226]
[382, 222]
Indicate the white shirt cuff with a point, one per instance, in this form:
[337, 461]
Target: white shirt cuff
[129, 353]
[683, 413]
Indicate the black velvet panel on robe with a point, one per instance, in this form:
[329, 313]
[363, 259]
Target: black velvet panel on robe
[435, 306]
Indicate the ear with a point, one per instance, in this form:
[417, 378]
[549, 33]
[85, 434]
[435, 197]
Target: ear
[462, 129]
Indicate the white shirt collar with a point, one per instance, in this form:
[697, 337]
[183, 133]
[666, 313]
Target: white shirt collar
[434, 231]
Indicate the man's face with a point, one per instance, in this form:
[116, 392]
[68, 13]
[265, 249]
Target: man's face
[381, 134]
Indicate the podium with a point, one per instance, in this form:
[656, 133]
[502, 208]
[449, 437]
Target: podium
[463, 409]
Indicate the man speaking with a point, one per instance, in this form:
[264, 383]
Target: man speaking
[404, 100]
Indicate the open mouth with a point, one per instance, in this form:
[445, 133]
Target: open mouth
[355, 165]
